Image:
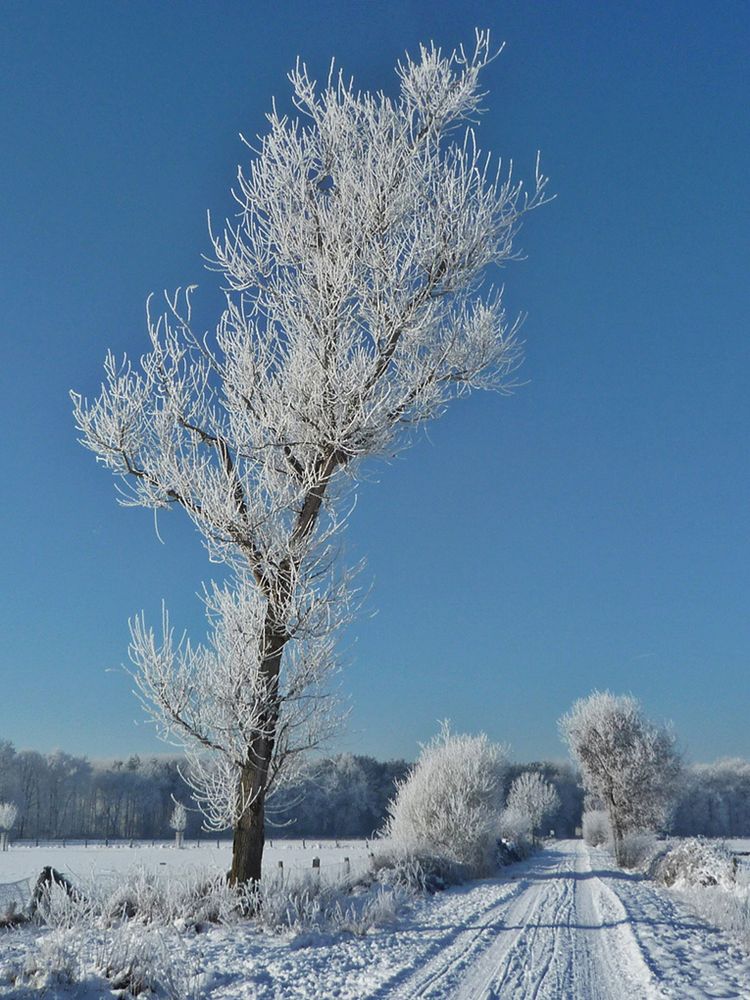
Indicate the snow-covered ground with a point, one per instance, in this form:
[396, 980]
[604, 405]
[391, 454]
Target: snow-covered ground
[76, 860]
[565, 925]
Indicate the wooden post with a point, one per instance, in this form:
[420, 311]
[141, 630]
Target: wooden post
[316, 867]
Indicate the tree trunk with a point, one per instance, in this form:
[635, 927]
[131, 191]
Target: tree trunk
[616, 835]
[248, 842]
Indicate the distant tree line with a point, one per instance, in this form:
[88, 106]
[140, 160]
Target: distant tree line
[715, 800]
[59, 795]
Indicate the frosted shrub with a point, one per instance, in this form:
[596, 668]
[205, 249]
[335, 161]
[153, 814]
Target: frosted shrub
[129, 957]
[596, 829]
[446, 812]
[311, 905]
[145, 960]
[696, 862]
[515, 829]
[639, 850]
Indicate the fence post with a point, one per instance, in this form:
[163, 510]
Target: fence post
[316, 867]
[347, 866]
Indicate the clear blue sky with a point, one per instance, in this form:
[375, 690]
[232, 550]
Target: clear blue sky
[590, 531]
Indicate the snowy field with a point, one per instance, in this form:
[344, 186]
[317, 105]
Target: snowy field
[565, 925]
[81, 862]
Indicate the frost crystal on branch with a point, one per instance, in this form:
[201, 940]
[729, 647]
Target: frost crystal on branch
[356, 306]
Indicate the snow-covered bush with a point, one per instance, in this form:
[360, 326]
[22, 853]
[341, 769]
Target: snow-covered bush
[141, 897]
[128, 960]
[703, 873]
[515, 829]
[639, 851]
[596, 829]
[532, 798]
[695, 862]
[446, 812]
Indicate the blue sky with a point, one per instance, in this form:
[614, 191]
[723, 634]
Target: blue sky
[590, 531]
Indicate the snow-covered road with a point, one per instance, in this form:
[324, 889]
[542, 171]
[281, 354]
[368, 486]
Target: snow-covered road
[572, 927]
[565, 925]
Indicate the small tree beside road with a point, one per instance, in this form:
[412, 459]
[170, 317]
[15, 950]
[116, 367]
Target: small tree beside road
[629, 764]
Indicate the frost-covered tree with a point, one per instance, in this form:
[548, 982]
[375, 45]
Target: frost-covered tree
[533, 799]
[178, 822]
[357, 306]
[8, 816]
[629, 764]
[449, 805]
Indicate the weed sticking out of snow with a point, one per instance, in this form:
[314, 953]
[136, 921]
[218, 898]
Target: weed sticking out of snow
[311, 905]
[136, 938]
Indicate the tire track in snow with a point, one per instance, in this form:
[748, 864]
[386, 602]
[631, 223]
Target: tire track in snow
[571, 928]
[449, 954]
[555, 942]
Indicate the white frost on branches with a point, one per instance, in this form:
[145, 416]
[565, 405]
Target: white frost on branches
[356, 306]
[631, 766]
[178, 820]
[530, 799]
[8, 815]
[214, 699]
[448, 807]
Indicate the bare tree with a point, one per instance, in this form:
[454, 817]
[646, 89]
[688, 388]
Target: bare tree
[629, 764]
[532, 798]
[356, 308]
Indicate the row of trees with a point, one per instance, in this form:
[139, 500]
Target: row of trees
[714, 800]
[642, 786]
[455, 803]
[59, 795]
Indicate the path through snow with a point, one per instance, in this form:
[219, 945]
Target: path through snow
[575, 929]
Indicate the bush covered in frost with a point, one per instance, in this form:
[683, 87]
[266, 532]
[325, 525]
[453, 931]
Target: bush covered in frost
[446, 812]
[696, 862]
[596, 828]
[515, 829]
